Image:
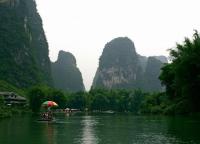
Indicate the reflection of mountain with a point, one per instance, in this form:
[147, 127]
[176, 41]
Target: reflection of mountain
[121, 67]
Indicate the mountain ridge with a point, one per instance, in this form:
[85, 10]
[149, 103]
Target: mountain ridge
[120, 66]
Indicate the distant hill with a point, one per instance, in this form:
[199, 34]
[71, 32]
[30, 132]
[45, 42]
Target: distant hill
[65, 73]
[151, 74]
[142, 61]
[163, 59]
[121, 67]
[24, 50]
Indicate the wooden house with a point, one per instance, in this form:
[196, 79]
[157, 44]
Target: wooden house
[11, 98]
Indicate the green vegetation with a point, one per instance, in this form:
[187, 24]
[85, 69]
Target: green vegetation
[8, 111]
[118, 100]
[38, 94]
[36, 97]
[5, 86]
[77, 100]
[24, 57]
[182, 77]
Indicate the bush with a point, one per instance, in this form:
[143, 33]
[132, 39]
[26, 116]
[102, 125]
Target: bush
[169, 110]
[182, 107]
[156, 110]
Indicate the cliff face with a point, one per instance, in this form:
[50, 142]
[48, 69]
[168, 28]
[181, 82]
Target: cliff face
[121, 67]
[65, 73]
[151, 75]
[23, 46]
[163, 59]
[118, 65]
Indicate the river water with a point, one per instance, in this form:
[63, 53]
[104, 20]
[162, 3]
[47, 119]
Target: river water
[101, 129]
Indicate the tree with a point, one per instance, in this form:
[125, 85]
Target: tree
[167, 77]
[77, 100]
[36, 97]
[59, 98]
[182, 76]
[99, 102]
[136, 99]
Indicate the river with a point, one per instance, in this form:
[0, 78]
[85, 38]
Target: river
[101, 129]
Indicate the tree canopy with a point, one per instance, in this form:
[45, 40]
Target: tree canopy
[182, 76]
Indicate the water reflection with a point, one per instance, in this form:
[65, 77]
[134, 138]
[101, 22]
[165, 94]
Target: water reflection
[50, 134]
[108, 129]
[88, 131]
[185, 129]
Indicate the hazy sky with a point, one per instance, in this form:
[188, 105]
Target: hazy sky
[83, 27]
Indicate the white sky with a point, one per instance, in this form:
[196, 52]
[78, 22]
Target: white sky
[83, 27]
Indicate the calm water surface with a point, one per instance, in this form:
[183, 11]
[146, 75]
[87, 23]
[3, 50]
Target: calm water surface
[101, 129]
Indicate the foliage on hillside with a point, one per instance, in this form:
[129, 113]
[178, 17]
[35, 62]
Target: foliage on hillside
[182, 76]
[6, 87]
[24, 57]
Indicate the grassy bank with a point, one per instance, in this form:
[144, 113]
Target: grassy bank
[7, 111]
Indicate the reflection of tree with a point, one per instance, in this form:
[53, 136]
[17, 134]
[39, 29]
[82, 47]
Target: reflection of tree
[184, 129]
[49, 133]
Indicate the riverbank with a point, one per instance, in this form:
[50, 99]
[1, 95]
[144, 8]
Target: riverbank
[7, 111]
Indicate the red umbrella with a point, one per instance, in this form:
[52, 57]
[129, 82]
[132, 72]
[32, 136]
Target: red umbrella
[49, 104]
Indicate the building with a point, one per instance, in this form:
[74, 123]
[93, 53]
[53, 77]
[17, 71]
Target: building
[11, 98]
